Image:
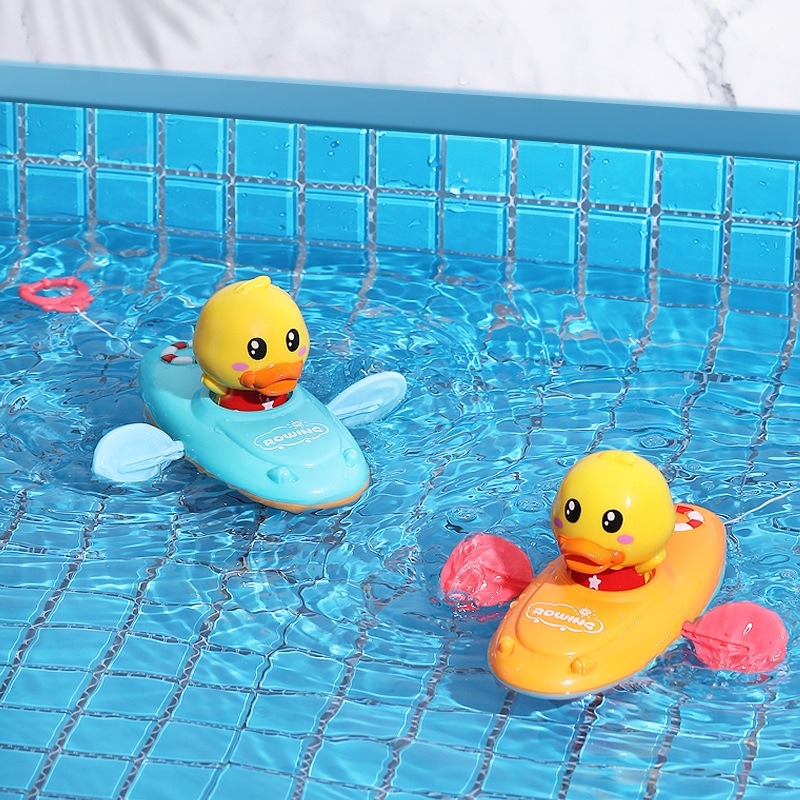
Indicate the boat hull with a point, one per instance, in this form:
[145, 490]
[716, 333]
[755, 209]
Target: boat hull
[561, 639]
[296, 457]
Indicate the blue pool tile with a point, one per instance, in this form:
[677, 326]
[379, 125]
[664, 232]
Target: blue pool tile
[179, 622]
[9, 188]
[619, 239]
[690, 246]
[611, 282]
[267, 751]
[125, 137]
[378, 682]
[21, 604]
[283, 713]
[765, 188]
[547, 234]
[363, 719]
[239, 781]
[683, 291]
[407, 160]
[157, 781]
[621, 177]
[693, 183]
[417, 770]
[333, 216]
[142, 654]
[19, 768]
[195, 204]
[188, 741]
[506, 779]
[760, 299]
[475, 226]
[195, 144]
[29, 728]
[477, 165]
[126, 196]
[33, 571]
[68, 647]
[266, 210]
[82, 776]
[207, 704]
[461, 728]
[405, 221]
[55, 191]
[355, 761]
[8, 128]
[266, 150]
[90, 608]
[336, 155]
[757, 332]
[549, 171]
[761, 253]
[121, 577]
[55, 131]
[10, 638]
[229, 669]
[114, 736]
[46, 688]
[322, 674]
[127, 694]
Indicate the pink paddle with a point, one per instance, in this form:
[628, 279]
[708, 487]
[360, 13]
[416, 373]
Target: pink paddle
[485, 570]
[740, 636]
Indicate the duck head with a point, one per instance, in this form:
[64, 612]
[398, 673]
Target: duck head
[613, 509]
[251, 335]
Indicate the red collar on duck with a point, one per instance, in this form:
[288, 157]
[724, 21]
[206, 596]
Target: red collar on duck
[250, 400]
[612, 580]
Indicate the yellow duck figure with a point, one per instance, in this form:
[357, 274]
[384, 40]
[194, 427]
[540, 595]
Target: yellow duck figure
[251, 343]
[611, 517]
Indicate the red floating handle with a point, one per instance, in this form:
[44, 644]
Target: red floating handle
[77, 300]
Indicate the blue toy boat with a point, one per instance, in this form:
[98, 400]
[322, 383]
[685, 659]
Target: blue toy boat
[297, 456]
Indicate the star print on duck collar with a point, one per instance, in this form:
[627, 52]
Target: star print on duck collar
[612, 580]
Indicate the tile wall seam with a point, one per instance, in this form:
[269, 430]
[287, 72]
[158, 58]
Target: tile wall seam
[230, 203]
[704, 376]
[301, 229]
[640, 344]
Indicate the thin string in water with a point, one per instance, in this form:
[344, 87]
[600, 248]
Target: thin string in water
[108, 333]
[763, 505]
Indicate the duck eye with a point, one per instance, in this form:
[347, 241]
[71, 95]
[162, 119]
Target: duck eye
[257, 348]
[292, 339]
[612, 521]
[572, 510]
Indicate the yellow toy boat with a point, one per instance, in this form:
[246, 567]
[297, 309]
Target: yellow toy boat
[634, 568]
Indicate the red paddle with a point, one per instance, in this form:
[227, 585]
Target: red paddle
[740, 636]
[485, 570]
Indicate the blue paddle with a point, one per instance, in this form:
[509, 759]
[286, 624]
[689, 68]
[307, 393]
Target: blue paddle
[138, 452]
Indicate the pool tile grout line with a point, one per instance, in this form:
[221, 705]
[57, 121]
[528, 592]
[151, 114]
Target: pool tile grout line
[71, 570]
[103, 666]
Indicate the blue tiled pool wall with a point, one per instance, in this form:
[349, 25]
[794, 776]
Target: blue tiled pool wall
[700, 215]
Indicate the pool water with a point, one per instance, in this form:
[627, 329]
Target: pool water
[175, 639]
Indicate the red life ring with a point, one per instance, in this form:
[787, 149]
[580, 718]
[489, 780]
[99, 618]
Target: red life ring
[77, 300]
[694, 519]
[171, 351]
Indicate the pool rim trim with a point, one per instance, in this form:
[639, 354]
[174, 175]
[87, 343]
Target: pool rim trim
[759, 133]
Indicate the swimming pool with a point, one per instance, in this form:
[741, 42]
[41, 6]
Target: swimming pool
[178, 635]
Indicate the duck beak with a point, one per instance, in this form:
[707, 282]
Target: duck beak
[588, 557]
[273, 380]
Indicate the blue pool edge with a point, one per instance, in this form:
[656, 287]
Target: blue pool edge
[696, 129]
